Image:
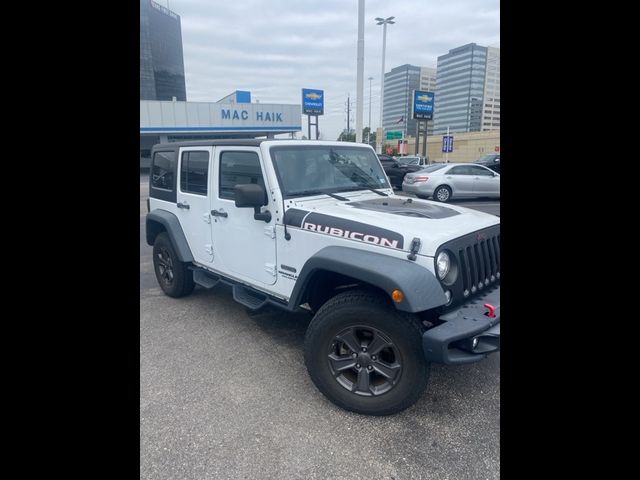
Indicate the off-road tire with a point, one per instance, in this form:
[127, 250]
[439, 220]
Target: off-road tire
[369, 309]
[173, 276]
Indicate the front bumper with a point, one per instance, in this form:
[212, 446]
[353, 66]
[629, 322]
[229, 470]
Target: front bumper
[451, 342]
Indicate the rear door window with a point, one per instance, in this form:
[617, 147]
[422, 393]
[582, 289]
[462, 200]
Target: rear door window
[480, 171]
[194, 172]
[460, 170]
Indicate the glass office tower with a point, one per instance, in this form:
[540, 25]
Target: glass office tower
[161, 59]
[460, 82]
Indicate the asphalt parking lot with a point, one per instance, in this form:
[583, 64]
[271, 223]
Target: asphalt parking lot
[224, 394]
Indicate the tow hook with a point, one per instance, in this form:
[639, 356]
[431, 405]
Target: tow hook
[491, 310]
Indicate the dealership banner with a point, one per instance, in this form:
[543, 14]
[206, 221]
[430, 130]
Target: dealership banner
[422, 105]
[312, 102]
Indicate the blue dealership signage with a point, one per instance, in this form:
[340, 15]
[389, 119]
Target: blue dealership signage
[312, 102]
[447, 143]
[422, 105]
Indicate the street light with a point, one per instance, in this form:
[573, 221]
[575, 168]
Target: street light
[369, 134]
[383, 22]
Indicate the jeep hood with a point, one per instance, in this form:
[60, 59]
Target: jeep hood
[391, 222]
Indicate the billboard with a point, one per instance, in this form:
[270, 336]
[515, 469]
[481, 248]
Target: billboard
[312, 102]
[422, 105]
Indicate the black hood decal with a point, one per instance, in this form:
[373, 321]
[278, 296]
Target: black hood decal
[341, 227]
[406, 207]
[294, 217]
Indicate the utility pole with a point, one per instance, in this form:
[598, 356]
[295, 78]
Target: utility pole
[384, 22]
[348, 114]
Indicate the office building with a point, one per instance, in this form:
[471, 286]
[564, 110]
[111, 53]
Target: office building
[491, 109]
[399, 85]
[161, 58]
[467, 77]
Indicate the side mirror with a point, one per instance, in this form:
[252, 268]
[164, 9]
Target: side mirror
[251, 195]
[396, 165]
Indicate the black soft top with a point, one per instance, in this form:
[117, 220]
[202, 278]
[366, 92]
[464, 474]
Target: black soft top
[240, 142]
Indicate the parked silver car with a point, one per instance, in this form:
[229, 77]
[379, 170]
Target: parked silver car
[453, 180]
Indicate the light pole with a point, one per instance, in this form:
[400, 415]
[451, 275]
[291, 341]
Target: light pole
[369, 134]
[360, 68]
[383, 22]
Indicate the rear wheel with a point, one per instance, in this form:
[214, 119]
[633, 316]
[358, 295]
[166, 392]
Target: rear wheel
[173, 276]
[364, 355]
[442, 194]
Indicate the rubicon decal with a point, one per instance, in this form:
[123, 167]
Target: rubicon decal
[338, 232]
[341, 227]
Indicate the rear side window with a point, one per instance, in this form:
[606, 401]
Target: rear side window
[238, 168]
[476, 170]
[163, 170]
[460, 170]
[194, 172]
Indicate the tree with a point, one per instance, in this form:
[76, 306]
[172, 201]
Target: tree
[372, 139]
[349, 136]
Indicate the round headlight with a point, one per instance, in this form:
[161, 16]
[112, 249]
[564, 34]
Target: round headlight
[443, 264]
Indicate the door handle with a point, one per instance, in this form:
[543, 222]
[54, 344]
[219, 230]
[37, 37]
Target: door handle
[183, 205]
[216, 213]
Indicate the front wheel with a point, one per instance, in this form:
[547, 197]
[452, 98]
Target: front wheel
[364, 355]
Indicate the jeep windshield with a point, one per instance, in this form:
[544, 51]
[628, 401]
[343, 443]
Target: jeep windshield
[308, 169]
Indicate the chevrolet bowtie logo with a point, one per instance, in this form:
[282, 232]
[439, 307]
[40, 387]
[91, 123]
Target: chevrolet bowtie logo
[313, 96]
[424, 98]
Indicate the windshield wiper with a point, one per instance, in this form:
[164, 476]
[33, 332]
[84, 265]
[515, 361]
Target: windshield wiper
[320, 192]
[377, 191]
[362, 187]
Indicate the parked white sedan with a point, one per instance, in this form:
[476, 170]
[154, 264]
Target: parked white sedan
[446, 181]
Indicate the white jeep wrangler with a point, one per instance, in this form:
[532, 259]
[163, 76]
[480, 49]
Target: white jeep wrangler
[393, 283]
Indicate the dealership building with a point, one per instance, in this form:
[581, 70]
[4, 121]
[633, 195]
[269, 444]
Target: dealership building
[234, 116]
[165, 113]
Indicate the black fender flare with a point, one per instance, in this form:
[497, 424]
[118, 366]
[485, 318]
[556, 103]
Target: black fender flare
[421, 288]
[174, 230]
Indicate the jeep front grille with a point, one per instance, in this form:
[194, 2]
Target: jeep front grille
[479, 264]
[477, 257]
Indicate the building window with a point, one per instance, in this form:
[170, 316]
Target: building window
[194, 171]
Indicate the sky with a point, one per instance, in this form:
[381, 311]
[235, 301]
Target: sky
[274, 48]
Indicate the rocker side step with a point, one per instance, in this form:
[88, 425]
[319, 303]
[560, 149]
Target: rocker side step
[249, 298]
[207, 280]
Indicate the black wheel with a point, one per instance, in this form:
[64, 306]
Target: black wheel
[175, 279]
[442, 194]
[364, 355]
